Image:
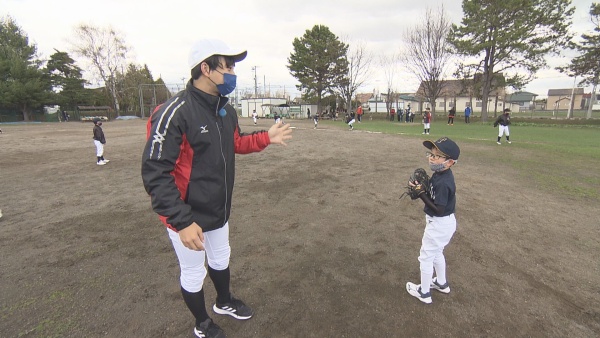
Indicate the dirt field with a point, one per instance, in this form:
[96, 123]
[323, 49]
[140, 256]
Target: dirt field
[321, 245]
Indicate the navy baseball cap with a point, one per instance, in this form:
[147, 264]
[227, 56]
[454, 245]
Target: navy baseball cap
[446, 146]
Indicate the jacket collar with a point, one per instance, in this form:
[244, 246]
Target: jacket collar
[215, 103]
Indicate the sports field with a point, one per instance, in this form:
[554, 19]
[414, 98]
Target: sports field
[321, 244]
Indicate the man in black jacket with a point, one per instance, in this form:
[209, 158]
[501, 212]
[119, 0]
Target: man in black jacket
[188, 168]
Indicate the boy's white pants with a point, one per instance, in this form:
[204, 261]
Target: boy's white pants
[503, 130]
[99, 148]
[438, 232]
[191, 262]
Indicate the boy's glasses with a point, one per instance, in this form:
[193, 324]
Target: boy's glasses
[434, 156]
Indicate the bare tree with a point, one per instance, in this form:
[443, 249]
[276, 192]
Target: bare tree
[428, 53]
[106, 52]
[389, 65]
[359, 62]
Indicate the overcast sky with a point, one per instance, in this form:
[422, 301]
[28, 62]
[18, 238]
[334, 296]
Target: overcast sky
[160, 33]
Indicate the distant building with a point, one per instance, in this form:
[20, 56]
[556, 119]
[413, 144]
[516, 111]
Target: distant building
[263, 106]
[363, 98]
[587, 100]
[457, 93]
[560, 99]
[520, 101]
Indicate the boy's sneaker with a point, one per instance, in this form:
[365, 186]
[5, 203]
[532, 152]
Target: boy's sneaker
[235, 308]
[415, 291]
[443, 288]
[498, 142]
[101, 163]
[208, 329]
[106, 161]
[508, 142]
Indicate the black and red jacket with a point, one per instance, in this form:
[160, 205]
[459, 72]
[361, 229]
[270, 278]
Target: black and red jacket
[188, 164]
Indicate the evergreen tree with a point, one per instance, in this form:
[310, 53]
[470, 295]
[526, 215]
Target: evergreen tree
[23, 85]
[587, 63]
[67, 81]
[318, 62]
[510, 36]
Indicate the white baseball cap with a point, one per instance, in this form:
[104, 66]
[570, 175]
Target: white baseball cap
[205, 48]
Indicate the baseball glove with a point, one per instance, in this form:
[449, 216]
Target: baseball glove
[420, 181]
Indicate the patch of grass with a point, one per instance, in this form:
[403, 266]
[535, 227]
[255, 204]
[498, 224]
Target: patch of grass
[55, 324]
[50, 328]
[9, 310]
[560, 158]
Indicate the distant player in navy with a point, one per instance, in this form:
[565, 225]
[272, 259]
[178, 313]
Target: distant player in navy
[350, 120]
[99, 142]
[316, 120]
[502, 122]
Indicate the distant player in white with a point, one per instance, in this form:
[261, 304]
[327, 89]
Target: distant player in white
[254, 115]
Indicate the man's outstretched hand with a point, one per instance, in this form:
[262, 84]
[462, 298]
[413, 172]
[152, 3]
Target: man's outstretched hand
[279, 133]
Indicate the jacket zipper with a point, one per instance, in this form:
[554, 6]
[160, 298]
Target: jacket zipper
[224, 162]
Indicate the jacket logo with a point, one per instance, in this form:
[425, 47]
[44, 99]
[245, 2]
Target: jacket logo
[204, 130]
[158, 138]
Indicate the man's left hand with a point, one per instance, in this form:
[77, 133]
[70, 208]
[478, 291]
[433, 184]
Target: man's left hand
[279, 133]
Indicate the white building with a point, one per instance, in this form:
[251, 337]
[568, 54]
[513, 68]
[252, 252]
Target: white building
[263, 106]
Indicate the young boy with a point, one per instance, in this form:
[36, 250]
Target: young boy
[99, 141]
[502, 122]
[350, 120]
[426, 121]
[440, 221]
[316, 120]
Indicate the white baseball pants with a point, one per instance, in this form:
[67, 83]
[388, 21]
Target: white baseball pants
[191, 262]
[438, 232]
[426, 125]
[503, 130]
[99, 148]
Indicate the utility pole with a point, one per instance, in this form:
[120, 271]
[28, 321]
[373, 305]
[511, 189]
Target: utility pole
[255, 83]
[572, 103]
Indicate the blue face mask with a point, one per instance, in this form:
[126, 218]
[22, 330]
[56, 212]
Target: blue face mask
[228, 85]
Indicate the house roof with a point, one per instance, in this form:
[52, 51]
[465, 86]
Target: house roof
[408, 98]
[521, 97]
[364, 97]
[564, 92]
